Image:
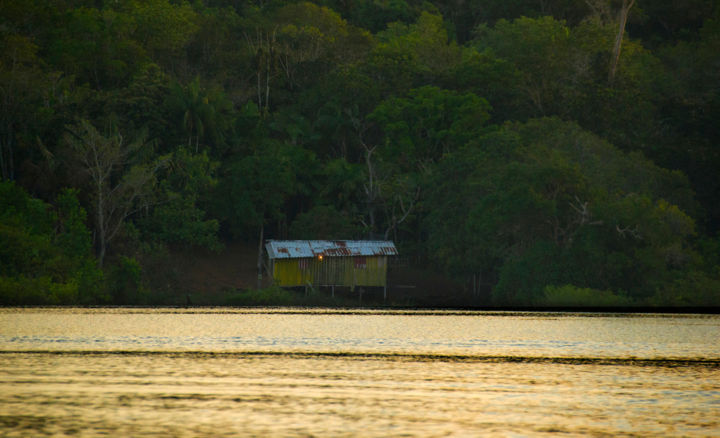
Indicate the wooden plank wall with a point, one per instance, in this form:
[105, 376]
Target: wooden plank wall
[331, 271]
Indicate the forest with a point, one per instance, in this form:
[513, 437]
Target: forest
[547, 152]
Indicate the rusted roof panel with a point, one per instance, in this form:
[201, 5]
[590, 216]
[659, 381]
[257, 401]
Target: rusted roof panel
[289, 249]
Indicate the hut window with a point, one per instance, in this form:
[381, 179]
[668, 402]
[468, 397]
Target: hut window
[360, 262]
[303, 264]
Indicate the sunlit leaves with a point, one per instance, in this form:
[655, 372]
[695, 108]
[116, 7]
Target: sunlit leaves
[160, 26]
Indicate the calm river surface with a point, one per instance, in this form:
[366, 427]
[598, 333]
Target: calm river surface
[295, 372]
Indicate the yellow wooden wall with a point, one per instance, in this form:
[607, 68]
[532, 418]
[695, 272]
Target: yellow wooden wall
[330, 271]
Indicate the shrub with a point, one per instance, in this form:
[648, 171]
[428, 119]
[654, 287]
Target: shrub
[571, 296]
[36, 291]
[124, 282]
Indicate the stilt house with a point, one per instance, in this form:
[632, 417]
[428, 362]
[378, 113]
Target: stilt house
[348, 263]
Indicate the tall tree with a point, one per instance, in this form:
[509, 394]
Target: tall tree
[546, 203]
[118, 187]
[604, 9]
[22, 83]
[206, 115]
[178, 218]
[548, 67]
[254, 190]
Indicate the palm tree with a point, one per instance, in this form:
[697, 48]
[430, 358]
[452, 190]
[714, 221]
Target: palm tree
[195, 109]
[204, 113]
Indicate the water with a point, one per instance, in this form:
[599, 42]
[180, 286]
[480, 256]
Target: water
[280, 372]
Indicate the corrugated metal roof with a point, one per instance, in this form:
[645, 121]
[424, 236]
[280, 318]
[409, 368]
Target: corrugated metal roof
[291, 249]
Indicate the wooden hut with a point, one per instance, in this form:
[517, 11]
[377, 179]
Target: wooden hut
[329, 263]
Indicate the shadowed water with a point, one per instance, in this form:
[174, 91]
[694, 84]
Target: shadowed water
[271, 372]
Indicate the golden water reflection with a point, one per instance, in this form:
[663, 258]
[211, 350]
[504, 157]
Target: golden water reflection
[57, 379]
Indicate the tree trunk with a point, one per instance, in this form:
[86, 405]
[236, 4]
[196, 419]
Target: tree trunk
[101, 251]
[260, 256]
[267, 84]
[622, 22]
[100, 225]
[370, 188]
[6, 154]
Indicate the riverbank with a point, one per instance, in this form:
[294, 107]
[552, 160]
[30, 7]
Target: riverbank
[229, 277]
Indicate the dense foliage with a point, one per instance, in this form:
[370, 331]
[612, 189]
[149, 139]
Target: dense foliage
[536, 152]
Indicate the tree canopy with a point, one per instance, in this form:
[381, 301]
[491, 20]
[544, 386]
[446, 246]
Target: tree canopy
[536, 153]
